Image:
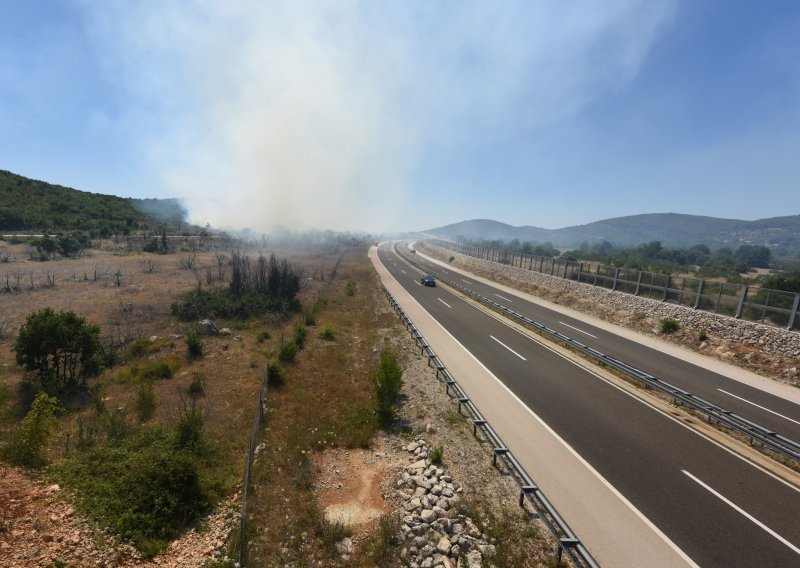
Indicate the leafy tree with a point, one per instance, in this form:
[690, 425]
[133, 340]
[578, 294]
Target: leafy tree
[60, 348]
[753, 256]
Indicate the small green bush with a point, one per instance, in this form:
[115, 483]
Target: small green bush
[144, 489]
[328, 332]
[703, 335]
[451, 259]
[288, 352]
[436, 454]
[299, 336]
[153, 370]
[263, 336]
[277, 374]
[669, 325]
[388, 382]
[139, 347]
[350, 288]
[194, 344]
[189, 429]
[28, 441]
[145, 401]
[198, 385]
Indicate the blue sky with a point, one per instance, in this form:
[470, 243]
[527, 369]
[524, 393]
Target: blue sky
[386, 116]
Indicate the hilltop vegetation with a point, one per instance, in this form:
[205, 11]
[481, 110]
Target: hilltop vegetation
[32, 205]
[780, 234]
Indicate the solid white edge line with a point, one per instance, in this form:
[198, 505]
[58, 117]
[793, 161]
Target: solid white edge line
[576, 329]
[507, 347]
[736, 507]
[504, 298]
[759, 406]
[445, 303]
[558, 438]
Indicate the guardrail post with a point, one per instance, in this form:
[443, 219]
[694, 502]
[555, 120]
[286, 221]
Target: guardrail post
[498, 452]
[794, 310]
[699, 294]
[524, 490]
[475, 424]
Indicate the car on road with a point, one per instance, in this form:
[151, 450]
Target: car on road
[428, 280]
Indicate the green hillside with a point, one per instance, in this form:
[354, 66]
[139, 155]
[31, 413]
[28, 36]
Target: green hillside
[31, 205]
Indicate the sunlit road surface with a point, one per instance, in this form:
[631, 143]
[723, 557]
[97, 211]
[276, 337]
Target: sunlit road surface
[637, 486]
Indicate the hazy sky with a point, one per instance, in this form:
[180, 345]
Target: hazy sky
[381, 115]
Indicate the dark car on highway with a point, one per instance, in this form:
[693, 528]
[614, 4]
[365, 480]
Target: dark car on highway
[428, 280]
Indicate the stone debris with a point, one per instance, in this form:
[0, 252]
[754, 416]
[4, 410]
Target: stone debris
[208, 327]
[434, 534]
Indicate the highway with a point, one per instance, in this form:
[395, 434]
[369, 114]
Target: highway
[717, 508]
[766, 408]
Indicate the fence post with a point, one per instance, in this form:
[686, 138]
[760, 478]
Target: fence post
[742, 299]
[699, 294]
[616, 276]
[794, 310]
[638, 284]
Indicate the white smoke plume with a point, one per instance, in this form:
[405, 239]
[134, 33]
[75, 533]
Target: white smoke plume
[324, 114]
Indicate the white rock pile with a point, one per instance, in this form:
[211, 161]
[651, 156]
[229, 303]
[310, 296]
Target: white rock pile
[434, 534]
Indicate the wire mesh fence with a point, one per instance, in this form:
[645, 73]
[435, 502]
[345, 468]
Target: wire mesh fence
[772, 307]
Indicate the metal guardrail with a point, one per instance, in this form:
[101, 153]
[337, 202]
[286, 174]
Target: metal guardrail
[754, 431]
[568, 542]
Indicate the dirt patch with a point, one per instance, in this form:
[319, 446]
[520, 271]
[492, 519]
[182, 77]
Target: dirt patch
[348, 485]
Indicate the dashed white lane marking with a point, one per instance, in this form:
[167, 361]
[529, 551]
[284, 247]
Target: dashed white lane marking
[759, 406]
[503, 298]
[576, 329]
[445, 303]
[743, 512]
[507, 347]
[467, 281]
[403, 271]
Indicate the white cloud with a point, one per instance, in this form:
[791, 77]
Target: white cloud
[317, 113]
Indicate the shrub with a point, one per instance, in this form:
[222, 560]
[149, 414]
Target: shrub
[328, 332]
[60, 348]
[388, 382]
[451, 259]
[194, 344]
[153, 370]
[189, 429]
[198, 385]
[27, 442]
[143, 489]
[145, 401]
[288, 352]
[669, 325]
[277, 375]
[436, 454]
[299, 335]
[350, 288]
[703, 335]
[140, 347]
[263, 336]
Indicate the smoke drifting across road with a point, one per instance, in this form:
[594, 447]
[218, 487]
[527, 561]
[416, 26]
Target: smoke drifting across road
[331, 114]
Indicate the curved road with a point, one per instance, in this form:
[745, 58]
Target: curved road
[719, 509]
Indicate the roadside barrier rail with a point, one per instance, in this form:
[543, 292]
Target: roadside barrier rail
[568, 542]
[752, 430]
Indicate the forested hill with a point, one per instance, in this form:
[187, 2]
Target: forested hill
[32, 205]
[780, 234]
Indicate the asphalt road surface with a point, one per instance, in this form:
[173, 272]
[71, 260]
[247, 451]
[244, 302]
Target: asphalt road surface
[765, 408]
[714, 506]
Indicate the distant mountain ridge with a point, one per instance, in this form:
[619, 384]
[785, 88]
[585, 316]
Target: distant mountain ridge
[32, 205]
[672, 229]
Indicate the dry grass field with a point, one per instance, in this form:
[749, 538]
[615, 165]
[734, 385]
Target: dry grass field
[325, 474]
